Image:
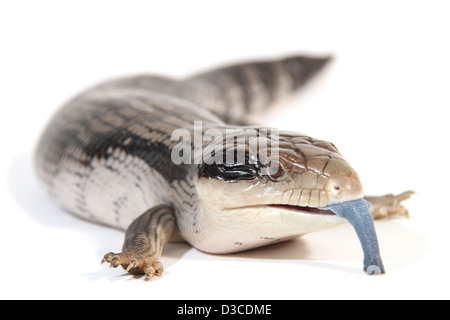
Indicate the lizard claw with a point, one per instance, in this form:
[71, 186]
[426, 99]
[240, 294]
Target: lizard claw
[107, 258]
[134, 263]
[389, 205]
[156, 269]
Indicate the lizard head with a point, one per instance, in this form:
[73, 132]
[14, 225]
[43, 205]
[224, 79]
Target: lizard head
[296, 172]
[277, 190]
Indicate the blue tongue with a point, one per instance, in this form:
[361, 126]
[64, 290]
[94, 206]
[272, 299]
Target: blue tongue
[358, 214]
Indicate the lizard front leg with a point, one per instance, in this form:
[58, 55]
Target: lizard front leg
[144, 242]
[388, 205]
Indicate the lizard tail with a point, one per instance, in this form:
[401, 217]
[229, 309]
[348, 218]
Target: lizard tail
[236, 93]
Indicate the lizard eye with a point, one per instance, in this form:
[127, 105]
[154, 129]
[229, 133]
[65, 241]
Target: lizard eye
[276, 171]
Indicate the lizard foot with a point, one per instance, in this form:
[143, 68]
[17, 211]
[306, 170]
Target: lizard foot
[389, 205]
[134, 263]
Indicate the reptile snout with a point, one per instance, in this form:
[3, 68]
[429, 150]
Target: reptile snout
[344, 183]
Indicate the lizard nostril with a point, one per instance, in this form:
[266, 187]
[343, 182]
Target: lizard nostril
[337, 188]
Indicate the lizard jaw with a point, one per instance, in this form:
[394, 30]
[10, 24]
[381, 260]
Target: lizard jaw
[355, 212]
[310, 210]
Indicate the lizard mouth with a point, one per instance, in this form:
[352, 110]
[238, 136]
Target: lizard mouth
[357, 213]
[300, 209]
[310, 210]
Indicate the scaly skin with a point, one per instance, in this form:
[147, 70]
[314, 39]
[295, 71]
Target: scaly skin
[107, 156]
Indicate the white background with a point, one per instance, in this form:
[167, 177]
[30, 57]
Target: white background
[382, 101]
